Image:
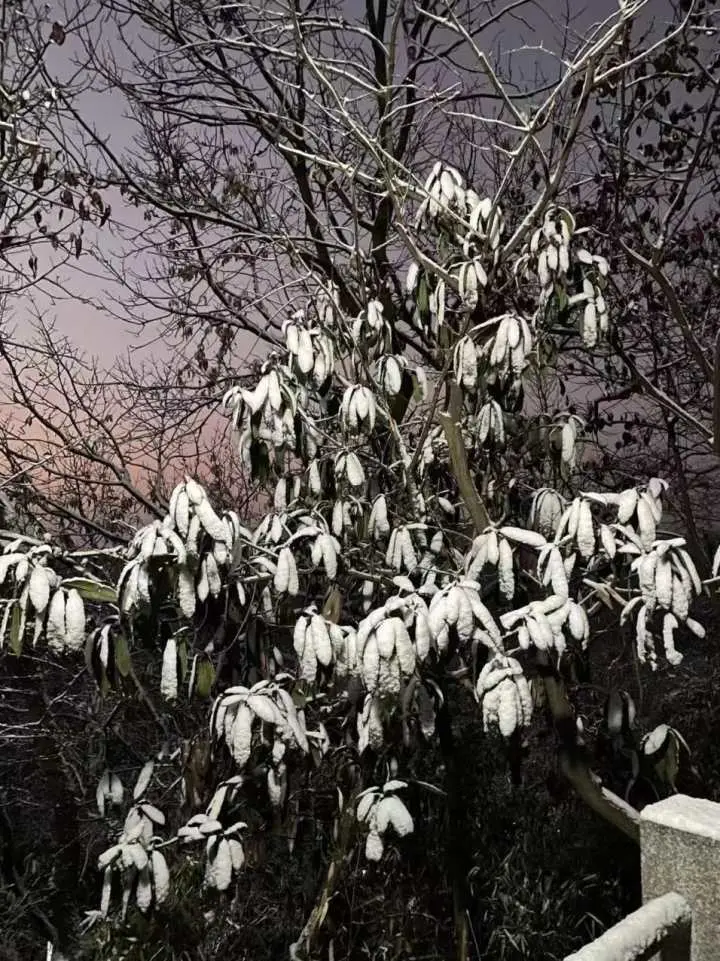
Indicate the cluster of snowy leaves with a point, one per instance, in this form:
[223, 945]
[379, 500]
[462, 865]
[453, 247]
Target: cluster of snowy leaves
[45, 595]
[136, 859]
[365, 574]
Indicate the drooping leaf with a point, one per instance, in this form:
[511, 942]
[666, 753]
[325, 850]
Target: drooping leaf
[92, 590]
[123, 662]
[205, 678]
[16, 624]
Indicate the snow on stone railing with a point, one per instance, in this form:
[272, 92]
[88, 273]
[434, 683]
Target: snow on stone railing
[662, 920]
[680, 858]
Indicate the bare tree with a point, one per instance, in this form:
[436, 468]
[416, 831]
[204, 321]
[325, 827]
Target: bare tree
[46, 196]
[89, 454]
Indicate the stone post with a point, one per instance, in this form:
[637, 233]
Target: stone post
[680, 852]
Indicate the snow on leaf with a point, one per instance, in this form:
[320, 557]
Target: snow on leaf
[374, 846]
[144, 777]
[392, 812]
[160, 876]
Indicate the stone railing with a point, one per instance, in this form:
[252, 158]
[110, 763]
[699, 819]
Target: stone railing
[680, 860]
